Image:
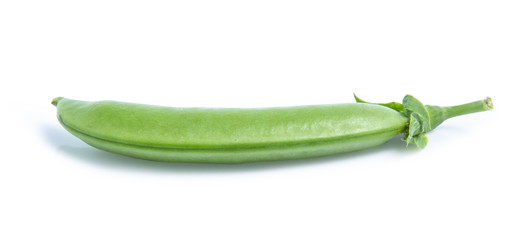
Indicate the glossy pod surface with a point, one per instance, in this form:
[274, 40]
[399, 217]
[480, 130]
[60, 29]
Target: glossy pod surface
[229, 135]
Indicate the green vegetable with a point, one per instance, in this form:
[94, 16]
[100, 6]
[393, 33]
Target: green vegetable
[232, 135]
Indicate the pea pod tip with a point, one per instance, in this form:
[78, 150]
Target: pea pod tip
[55, 100]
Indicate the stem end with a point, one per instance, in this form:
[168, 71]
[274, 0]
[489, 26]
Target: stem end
[488, 104]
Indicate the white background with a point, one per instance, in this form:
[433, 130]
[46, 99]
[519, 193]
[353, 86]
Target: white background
[469, 183]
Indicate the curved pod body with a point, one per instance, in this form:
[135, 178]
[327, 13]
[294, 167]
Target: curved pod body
[229, 135]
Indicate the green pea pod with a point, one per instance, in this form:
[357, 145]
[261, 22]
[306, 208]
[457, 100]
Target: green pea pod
[234, 135]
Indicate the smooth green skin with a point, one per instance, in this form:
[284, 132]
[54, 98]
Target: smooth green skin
[229, 135]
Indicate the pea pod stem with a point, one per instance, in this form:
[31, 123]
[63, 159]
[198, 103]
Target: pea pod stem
[436, 115]
[472, 107]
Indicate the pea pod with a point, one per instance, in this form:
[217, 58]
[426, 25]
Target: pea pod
[234, 135]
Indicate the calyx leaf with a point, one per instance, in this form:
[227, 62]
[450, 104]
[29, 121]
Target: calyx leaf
[413, 129]
[392, 105]
[413, 105]
[418, 115]
[420, 141]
